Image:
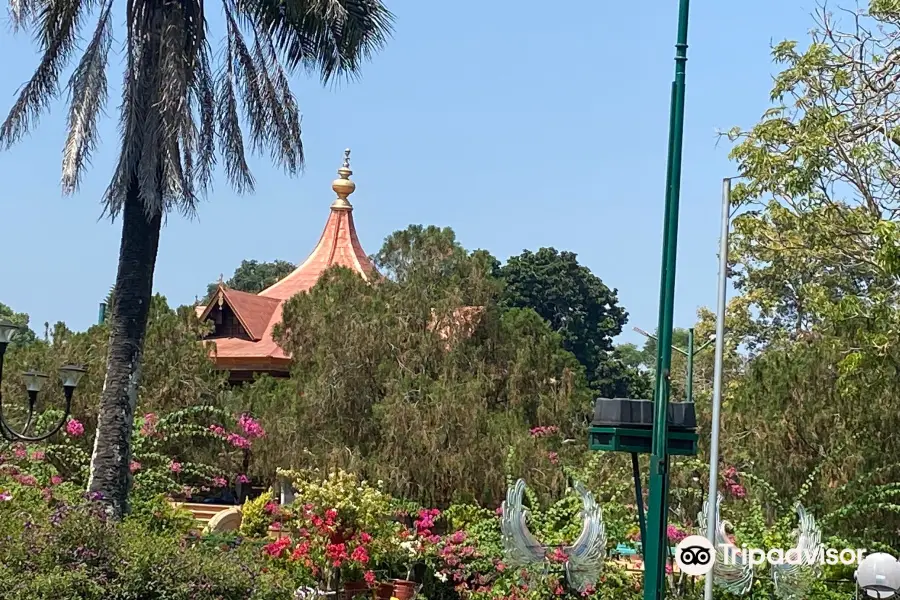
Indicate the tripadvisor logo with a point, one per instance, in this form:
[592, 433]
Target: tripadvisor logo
[695, 555]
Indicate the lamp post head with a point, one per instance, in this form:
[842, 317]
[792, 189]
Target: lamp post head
[878, 575]
[34, 382]
[8, 331]
[70, 375]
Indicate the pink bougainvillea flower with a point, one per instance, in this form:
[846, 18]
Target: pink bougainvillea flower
[20, 452]
[219, 482]
[56, 480]
[243, 478]
[559, 556]
[238, 441]
[74, 428]
[218, 430]
[251, 427]
[29, 480]
[149, 426]
[175, 467]
[737, 490]
[369, 577]
[37, 455]
[134, 467]
[554, 457]
[546, 431]
[675, 534]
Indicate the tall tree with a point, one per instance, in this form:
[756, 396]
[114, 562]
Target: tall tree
[253, 276]
[176, 104]
[818, 241]
[578, 305]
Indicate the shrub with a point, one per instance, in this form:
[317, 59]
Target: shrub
[78, 553]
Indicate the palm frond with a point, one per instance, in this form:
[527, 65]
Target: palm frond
[56, 28]
[88, 94]
[231, 139]
[331, 37]
[279, 106]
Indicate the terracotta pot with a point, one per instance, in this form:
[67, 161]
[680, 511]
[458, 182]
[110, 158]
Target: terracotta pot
[356, 589]
[404, 590]
[384, 591]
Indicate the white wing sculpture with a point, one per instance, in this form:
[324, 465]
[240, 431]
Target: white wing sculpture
[736, 578]
[794, 577]
[520, 546]
[587, 553]
[585, 556]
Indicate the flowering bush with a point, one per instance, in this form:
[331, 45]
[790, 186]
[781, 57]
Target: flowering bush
[258, 515]
[320, 546]
[360, 506]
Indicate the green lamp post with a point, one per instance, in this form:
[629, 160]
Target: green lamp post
[656, 543]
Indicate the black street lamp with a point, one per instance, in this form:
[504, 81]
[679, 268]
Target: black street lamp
[69, 376]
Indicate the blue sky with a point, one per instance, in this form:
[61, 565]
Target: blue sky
[518, 124]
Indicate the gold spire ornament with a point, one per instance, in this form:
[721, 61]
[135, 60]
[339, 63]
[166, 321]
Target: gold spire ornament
[342, 186]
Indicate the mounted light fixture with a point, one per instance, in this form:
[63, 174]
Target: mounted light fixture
[34, 382]
[878, 576]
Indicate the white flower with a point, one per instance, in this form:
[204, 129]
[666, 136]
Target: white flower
[441, 576]
[412, 547]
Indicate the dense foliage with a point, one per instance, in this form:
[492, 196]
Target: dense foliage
[415, 401]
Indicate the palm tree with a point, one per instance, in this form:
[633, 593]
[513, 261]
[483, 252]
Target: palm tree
[179, 112]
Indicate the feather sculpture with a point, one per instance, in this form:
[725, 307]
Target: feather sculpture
[737, 577]
[584, 557]
[795, 576]
[520, 546]
[587, 553]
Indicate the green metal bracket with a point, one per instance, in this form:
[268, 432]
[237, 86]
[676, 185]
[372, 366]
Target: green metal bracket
[639, 441]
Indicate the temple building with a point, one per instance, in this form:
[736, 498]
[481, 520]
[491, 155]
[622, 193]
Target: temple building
[243, 322]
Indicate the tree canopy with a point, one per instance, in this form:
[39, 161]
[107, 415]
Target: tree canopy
[578, 306]
[253, 276]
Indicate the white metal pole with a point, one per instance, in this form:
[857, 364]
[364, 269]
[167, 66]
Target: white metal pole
[717, 381]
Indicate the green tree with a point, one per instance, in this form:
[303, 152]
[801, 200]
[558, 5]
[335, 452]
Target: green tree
[254, 276]
[421, 381]
[818, 239]
[176, 104]
[816, 256]
[577, 304]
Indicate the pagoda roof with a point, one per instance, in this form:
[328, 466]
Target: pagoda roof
[338, 246]
[258, 314]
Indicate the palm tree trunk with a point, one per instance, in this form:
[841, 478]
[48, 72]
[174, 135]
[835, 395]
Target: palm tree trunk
[110, 475]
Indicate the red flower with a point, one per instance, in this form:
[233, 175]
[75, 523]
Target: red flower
[360, 555]
[369, 577]
[559, 556]
[300, 551]
[276, 548]
[336, 553]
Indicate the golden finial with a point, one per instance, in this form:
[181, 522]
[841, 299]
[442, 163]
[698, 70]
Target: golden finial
[342, 186]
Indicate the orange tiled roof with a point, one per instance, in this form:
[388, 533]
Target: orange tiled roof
[338, 246]
[259, 313]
